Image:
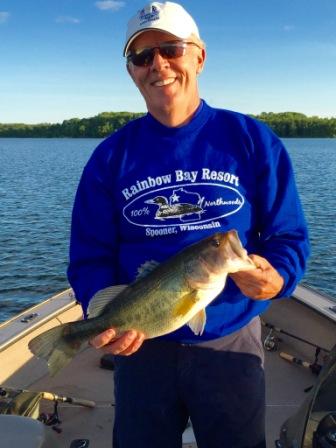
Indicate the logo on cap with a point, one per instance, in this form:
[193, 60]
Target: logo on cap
[149, 16]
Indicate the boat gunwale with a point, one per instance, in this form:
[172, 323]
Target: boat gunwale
[52, 308]
[321, 303]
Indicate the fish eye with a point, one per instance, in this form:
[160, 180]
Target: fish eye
[215, 242]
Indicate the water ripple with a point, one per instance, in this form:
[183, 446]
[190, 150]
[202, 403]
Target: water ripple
[38, 181]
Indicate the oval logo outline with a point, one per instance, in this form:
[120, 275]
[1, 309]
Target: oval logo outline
[172, 187]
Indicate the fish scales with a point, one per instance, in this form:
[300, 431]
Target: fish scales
[174, 293]
[153, 301]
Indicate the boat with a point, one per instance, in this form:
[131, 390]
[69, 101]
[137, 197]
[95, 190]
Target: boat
[76, 407]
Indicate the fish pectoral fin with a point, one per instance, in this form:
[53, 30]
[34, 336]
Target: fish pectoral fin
[185, 304]
[102, 298]
[197, 323]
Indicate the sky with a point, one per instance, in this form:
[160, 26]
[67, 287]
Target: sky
[62, 59]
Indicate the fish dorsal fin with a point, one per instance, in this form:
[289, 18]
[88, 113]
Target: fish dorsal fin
[102, 298]
[146, 268]
[185, 304]
[197, 323]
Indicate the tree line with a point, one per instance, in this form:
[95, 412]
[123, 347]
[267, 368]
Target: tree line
[284, 124]
[100, 125]
[294, 124]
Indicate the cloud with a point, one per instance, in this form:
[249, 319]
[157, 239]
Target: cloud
[288, 28]
[4, 15]
[111, 5]
[67, 19]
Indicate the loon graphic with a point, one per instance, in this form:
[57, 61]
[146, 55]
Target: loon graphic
[177, 210]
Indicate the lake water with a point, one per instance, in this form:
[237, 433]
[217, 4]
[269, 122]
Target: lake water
[38, 180]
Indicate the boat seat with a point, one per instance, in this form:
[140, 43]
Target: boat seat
[17, 431]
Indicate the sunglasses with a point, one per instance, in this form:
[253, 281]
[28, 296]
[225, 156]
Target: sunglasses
[169, 50]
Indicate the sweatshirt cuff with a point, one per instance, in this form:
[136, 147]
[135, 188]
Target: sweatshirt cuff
[288, 286]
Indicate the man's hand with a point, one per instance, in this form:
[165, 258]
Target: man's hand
[126, 344]
[259, 284]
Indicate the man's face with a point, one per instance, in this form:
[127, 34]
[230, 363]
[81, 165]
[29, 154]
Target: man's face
[167, 83]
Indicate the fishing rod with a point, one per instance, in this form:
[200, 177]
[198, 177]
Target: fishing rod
[280, 330]
[315, 367]
[26, 402]
[78, 401]
[53, 419]
[50, 396]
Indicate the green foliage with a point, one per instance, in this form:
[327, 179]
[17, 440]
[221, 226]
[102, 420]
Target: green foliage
[285, 124]
[101, 125]
[294, 124]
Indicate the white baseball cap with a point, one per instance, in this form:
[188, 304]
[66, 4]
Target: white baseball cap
[169, 17]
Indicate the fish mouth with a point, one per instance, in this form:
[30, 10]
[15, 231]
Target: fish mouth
[238, 258]
[229, 255]
[233, 245]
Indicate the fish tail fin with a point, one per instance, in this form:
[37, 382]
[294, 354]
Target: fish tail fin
[52, 346]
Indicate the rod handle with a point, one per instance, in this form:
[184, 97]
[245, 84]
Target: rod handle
[80, 401]
[295, 360]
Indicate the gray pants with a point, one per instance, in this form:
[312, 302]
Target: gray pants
[219, 384]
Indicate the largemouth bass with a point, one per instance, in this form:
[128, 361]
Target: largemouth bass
[172, 294]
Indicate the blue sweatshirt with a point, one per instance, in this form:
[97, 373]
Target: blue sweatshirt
[149, 190]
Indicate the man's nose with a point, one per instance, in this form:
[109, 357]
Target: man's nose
[159, 61]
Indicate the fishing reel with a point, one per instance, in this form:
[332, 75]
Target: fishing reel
[52, 419]
[325, 434]
[271, 342]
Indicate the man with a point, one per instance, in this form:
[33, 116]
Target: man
[228, 171]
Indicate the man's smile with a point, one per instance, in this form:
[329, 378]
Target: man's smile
[163, 82]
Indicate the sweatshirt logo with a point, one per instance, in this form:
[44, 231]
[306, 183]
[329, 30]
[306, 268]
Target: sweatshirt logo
[188, 203]
[180, 204]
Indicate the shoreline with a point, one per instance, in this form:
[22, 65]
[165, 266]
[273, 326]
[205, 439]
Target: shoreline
[284, 124]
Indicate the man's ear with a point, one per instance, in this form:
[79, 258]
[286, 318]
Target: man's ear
[201, 61]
